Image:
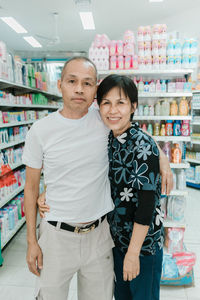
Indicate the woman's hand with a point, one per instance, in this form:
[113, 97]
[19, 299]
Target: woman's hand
[166, 174]
[41, 205]
[131, 268]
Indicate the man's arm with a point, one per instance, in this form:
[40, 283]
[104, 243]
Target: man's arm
[31, 192]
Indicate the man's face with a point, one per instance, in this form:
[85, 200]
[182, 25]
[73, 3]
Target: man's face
[78, 87]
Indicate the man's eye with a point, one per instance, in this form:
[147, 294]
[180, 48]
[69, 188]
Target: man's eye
[71, 81]
[88, 83]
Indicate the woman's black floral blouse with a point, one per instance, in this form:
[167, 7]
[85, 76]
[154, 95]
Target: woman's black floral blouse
[134, 167]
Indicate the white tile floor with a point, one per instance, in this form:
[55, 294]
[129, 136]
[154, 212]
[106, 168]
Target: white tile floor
[17, 283]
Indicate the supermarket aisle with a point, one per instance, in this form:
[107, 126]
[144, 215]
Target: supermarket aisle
[16, 282]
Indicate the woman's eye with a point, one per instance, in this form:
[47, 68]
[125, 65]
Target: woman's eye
[121, 102]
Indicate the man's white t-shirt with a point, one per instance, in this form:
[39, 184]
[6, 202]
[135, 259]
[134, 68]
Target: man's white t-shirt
[73, 153]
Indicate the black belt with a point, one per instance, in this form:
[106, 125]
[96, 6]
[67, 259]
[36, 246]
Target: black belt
[77, 229]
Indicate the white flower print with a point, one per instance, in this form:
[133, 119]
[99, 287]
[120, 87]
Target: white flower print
[159, 217]
[122, 137]
[126, 194]
[144, 152]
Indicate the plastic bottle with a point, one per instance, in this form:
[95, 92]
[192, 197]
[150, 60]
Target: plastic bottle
[158, 86]
[165, 108]
[141, 85]
[150, 129]
[162, 130]
[177, 128]
[144, 127]
[146, 110]
[163, 86]
[156, 130]
[185, 128]
[167, 150]
[152, 87]
[158, 109]
[169, 128]
[146, 87]
[174, 108]
[183, 107]
[181, 180]
[176, 154]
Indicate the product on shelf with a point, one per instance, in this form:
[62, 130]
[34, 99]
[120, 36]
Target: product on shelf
[11, 182]
[13, 134]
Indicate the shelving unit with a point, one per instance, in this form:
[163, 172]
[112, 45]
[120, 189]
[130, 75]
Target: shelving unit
[164, 95]
[154, 118]
[166, 73]
[174, 139]
[18, 89]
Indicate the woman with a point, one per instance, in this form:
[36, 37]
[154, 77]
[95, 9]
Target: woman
[136, 221]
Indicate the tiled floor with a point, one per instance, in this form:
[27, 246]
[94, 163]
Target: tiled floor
[17, 283]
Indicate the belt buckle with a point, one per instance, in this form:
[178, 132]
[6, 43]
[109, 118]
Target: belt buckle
[83, 230]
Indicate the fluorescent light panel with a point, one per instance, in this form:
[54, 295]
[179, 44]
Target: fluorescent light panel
[156, 0]
[87, 20]
[32, 41]
[14, 24]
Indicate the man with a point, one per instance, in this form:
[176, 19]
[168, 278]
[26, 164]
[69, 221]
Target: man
[71, 144]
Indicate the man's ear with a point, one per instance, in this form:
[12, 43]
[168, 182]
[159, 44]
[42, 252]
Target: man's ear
[59, 85]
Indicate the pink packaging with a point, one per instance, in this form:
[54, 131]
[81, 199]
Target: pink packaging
[155, 47]
[147, 33]
[135, 62]
[104, 40]
[156, 32]
[140, 35]
[129, 37]
[97, 40]
[162, 32]
[128, 62]
[175, 236]
[163, 62]
[141, 62]
[185, 128]
[148, 62]
[113, 63]
[119, 47]
[128, 49]
[156, 62]
[120, 62]
[112, 47]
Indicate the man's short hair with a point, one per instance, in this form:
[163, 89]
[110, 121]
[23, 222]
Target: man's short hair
[84, 58]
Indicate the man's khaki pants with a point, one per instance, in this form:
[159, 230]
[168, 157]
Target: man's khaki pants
[65, 253]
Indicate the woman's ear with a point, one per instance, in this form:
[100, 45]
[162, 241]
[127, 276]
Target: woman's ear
[133, 107]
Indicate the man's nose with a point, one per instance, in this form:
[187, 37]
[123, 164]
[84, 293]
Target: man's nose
[79, 88]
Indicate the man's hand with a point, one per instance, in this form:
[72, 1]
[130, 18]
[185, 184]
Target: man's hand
[166, 173]
[34, 258]
[41, 205]
[131, 267]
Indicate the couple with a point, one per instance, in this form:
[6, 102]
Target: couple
[84, 166]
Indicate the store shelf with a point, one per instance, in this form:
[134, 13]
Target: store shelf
[195, 141]
[170, 223]
[195, 92]
[175, 139]
[171, 73]
[192, 183]
[8, 145]
[13, 167]
[145, 118]
[196, 123]
[30, 106]
[159, 95]
[13, 232]
[11, 196]
[196, 108]
[183, 165]
[195, 161]
[20, 89]
[16, 124]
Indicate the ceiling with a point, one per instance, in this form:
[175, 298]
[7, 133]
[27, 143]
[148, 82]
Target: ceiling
[112, 17]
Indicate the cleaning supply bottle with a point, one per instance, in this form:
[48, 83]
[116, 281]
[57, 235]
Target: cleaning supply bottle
[158, 86]
[174, 108]
[163, 86]
[141, 85]
[183, 107]
[176, 154]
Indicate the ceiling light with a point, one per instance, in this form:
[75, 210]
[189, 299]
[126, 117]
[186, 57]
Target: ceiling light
[32, 41]
[156, 0]
[14, 24]
[87, 20]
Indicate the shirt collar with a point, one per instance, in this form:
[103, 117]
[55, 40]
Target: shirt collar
[124, 137]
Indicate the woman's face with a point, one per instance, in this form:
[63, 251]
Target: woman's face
[116, 110]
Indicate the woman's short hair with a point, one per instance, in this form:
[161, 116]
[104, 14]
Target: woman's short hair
[124, 83]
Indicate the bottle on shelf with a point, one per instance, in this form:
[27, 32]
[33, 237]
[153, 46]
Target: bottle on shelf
[169, 128]
[183, 107]
[185, 128]
[174, 108]
[165, 108]
[162, 130]
[177, 128]
[158, 86]
[176, 154]
[141, 85]
[158, 109]
[150, 129]
[156, 130]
